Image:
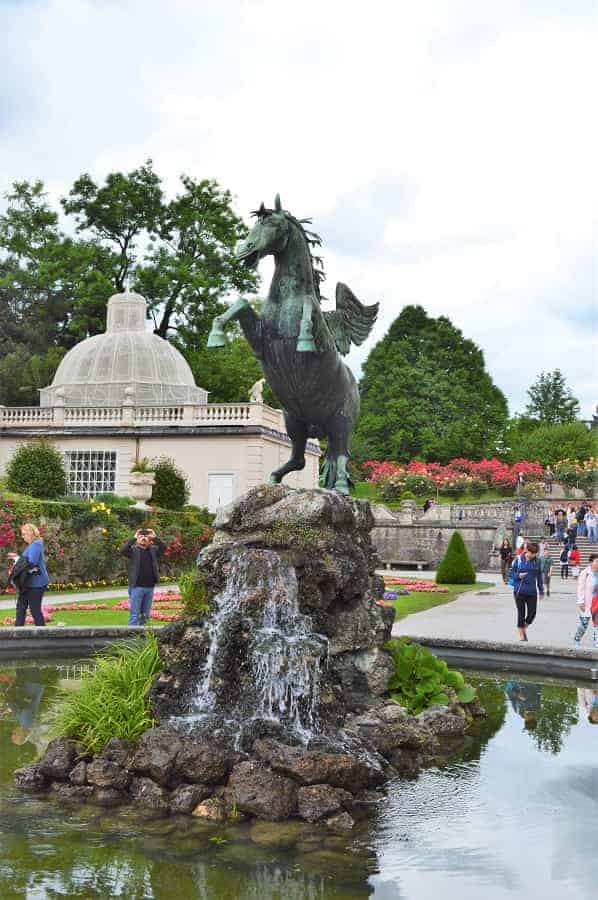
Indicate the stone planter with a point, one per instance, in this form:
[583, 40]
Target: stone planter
[141, 486]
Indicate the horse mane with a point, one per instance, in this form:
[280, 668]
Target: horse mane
[311, 239]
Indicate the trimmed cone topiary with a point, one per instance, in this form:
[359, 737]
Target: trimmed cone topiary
[455, 566]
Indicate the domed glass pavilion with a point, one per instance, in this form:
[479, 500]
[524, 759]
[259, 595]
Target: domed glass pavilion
[126, 363]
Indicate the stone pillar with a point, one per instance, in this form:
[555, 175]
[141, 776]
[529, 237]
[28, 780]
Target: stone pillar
[129, 407]
[58, 411]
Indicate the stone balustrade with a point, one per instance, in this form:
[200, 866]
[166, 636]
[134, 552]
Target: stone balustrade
[194, 415]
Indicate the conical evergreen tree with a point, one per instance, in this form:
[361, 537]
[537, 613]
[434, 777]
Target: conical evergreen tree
[455, 567]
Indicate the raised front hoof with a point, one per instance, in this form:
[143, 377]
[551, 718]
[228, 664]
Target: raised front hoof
[216, 339]
[306, 345]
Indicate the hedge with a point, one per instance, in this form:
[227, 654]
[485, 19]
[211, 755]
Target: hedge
[82, 538]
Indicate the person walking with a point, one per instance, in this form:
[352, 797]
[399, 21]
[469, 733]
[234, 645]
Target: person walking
[587, 601]
[143, 551]
[546, 564]
[548, 479]
[526, 578]
[581, 524]
[30, 576]
[506, 558]
[520, 483]
[564, 561]
[591, 521]
[561, 524]
[574, 560]
[550, 523]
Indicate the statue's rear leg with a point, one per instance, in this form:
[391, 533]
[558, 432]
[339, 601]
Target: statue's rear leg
[337, 432]
[297, 431]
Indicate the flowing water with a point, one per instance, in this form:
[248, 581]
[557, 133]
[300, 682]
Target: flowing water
[285, 654]
[513, 817]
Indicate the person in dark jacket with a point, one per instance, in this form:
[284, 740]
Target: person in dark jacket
[31, 576]
[506, 558]
[143, 552]
[527, 576]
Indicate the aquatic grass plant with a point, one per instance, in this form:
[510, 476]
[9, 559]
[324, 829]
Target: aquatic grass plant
[112, 701]
[422, 680]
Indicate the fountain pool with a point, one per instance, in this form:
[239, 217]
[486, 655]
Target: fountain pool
[513, 817]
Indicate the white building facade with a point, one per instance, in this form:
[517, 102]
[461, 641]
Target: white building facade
[129, 394]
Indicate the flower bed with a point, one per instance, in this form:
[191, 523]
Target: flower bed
[422, 586]
[460, 476]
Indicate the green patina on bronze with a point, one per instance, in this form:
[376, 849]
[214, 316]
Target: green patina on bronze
[299, 345]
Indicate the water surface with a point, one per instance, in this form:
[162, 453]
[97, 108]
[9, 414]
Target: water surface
[513, 817]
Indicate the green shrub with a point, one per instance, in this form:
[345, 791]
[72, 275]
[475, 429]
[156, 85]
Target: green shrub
[37, 469]
[407, 495]
[193, 591]
[420, 485]
[455, 567]
[112, 701]
[114, 501]
[421, 679]
[171, 489]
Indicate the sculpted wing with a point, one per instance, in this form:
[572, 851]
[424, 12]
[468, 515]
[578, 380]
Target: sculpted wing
[351, 322]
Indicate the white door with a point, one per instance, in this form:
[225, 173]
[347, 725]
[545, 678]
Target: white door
[220, 491]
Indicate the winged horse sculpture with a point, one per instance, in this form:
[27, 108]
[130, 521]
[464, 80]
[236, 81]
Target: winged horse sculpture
[299, 345]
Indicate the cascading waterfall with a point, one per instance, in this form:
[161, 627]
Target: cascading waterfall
[283, 654]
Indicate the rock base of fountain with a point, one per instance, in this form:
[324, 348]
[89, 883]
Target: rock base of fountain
[275, 704]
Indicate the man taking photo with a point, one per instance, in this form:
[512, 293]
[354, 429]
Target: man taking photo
[143, 552]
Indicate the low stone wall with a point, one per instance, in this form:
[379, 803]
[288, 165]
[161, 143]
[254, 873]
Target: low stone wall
[395, 541]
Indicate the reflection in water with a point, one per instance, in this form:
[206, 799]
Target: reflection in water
[527, 772]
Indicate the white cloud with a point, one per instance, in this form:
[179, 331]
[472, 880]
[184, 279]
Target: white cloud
[448, 148]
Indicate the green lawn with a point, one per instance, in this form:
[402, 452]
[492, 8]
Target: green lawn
[365, 491]
[418, 601]
[95, 617]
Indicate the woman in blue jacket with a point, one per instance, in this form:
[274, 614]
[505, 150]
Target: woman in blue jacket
[526, 576]
[37, 582]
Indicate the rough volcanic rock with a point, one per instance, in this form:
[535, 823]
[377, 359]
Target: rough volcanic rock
[213, 809]
[78, 775]
[260, 792]
[203, 763]
[105, 773]
[187, 796]
[59, 758]
[317, 801]
[342, 823]
[344, 770]
[443, 723]
[117, 750]
[31, 778]
[325, 538]
[147, 793]
[157, 753]
[71, 793]
[388, 736]
[106, 796]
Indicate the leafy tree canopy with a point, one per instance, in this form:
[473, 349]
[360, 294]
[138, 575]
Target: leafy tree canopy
[548, 444]
[551, 401]
[426, 395]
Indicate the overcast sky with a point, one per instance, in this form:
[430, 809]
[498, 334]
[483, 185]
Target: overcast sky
[445, 149]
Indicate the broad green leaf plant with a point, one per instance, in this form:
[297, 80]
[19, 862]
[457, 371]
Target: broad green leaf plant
[421, 679]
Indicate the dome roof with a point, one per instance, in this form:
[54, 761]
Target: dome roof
[127, 362]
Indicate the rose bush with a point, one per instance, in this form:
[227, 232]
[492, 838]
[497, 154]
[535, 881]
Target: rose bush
[459, 476]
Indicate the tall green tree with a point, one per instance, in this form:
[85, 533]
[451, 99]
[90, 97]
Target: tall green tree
[178, 253]
[551, 401]
[426, 394]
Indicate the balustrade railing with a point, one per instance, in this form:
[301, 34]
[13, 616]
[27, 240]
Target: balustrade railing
[128, 415]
